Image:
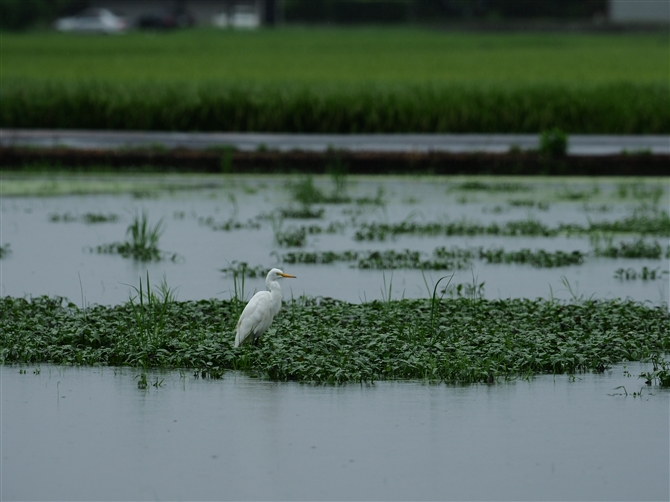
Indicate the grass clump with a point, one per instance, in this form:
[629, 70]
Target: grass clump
[142, 244]
[461, 340]
[554, 143]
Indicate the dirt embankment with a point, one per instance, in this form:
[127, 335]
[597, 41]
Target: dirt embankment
[231, 161]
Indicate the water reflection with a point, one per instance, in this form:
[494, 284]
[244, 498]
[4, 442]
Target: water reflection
[90, 433]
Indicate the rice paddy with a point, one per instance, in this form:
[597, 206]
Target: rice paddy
[340, 80]
[395, 287]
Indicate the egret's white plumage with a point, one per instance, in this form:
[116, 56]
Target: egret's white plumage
[261, 309]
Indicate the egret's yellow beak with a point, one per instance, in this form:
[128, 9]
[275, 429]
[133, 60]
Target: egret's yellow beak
[288, 276]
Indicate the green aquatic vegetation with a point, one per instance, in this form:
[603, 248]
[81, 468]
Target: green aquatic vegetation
[541, 205]
[643, 222]
[641, 192]
[5, 250]
[382, 231]
[305, 192]
[655, 222]
[378, 200]
[463, 340]
[229, 224]
[660, 374]
[291, 236]
[640, 248]
[442, 258]
[554, 143]
[577, 195]
[143, 242]
[472, 290]
[646, 274]
[539, 258]
[304, 212]
[481, 186]
[242, 270]
[89, 218]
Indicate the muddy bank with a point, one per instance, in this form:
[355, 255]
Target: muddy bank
[231, 161]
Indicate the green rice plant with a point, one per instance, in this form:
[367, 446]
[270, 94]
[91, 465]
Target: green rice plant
[5, 250]
[614, 108]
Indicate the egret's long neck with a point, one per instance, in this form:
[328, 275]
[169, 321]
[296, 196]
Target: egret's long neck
[275, 291]
[274, 288]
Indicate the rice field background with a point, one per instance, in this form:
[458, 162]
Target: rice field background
[338, 80]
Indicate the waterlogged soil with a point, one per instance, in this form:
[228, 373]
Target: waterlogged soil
[92, 434]
[54, 226]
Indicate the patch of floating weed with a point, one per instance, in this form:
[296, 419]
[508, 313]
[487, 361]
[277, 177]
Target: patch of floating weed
[377, 200]
[641, 192]
[89, 218]
[640, 248]
[481, 186]
[542, 206]
[322, 340]
[306, 192]
[228, 225]
[143, 242]
[539, 258]
[302, 213]
[646, 274]
[5, 251]
[602, 208]
[643, 223]
[577, 195]
[442, 258]
[242, 270]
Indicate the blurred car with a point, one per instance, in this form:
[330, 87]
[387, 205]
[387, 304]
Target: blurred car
[93, 21]
[243, 17]
[166, 19]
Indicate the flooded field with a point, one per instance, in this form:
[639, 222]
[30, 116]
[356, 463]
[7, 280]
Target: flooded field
[349, 238]
[91, 434]
[552, 412]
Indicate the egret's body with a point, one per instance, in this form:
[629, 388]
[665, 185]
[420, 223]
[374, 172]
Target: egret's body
[261, 309]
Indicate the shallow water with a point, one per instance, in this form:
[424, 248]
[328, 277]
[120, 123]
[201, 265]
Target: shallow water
[54, 258]
[91, 434]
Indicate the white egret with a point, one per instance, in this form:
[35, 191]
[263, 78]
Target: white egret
[261, 309]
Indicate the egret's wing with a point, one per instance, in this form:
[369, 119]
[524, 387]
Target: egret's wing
[256, 317]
